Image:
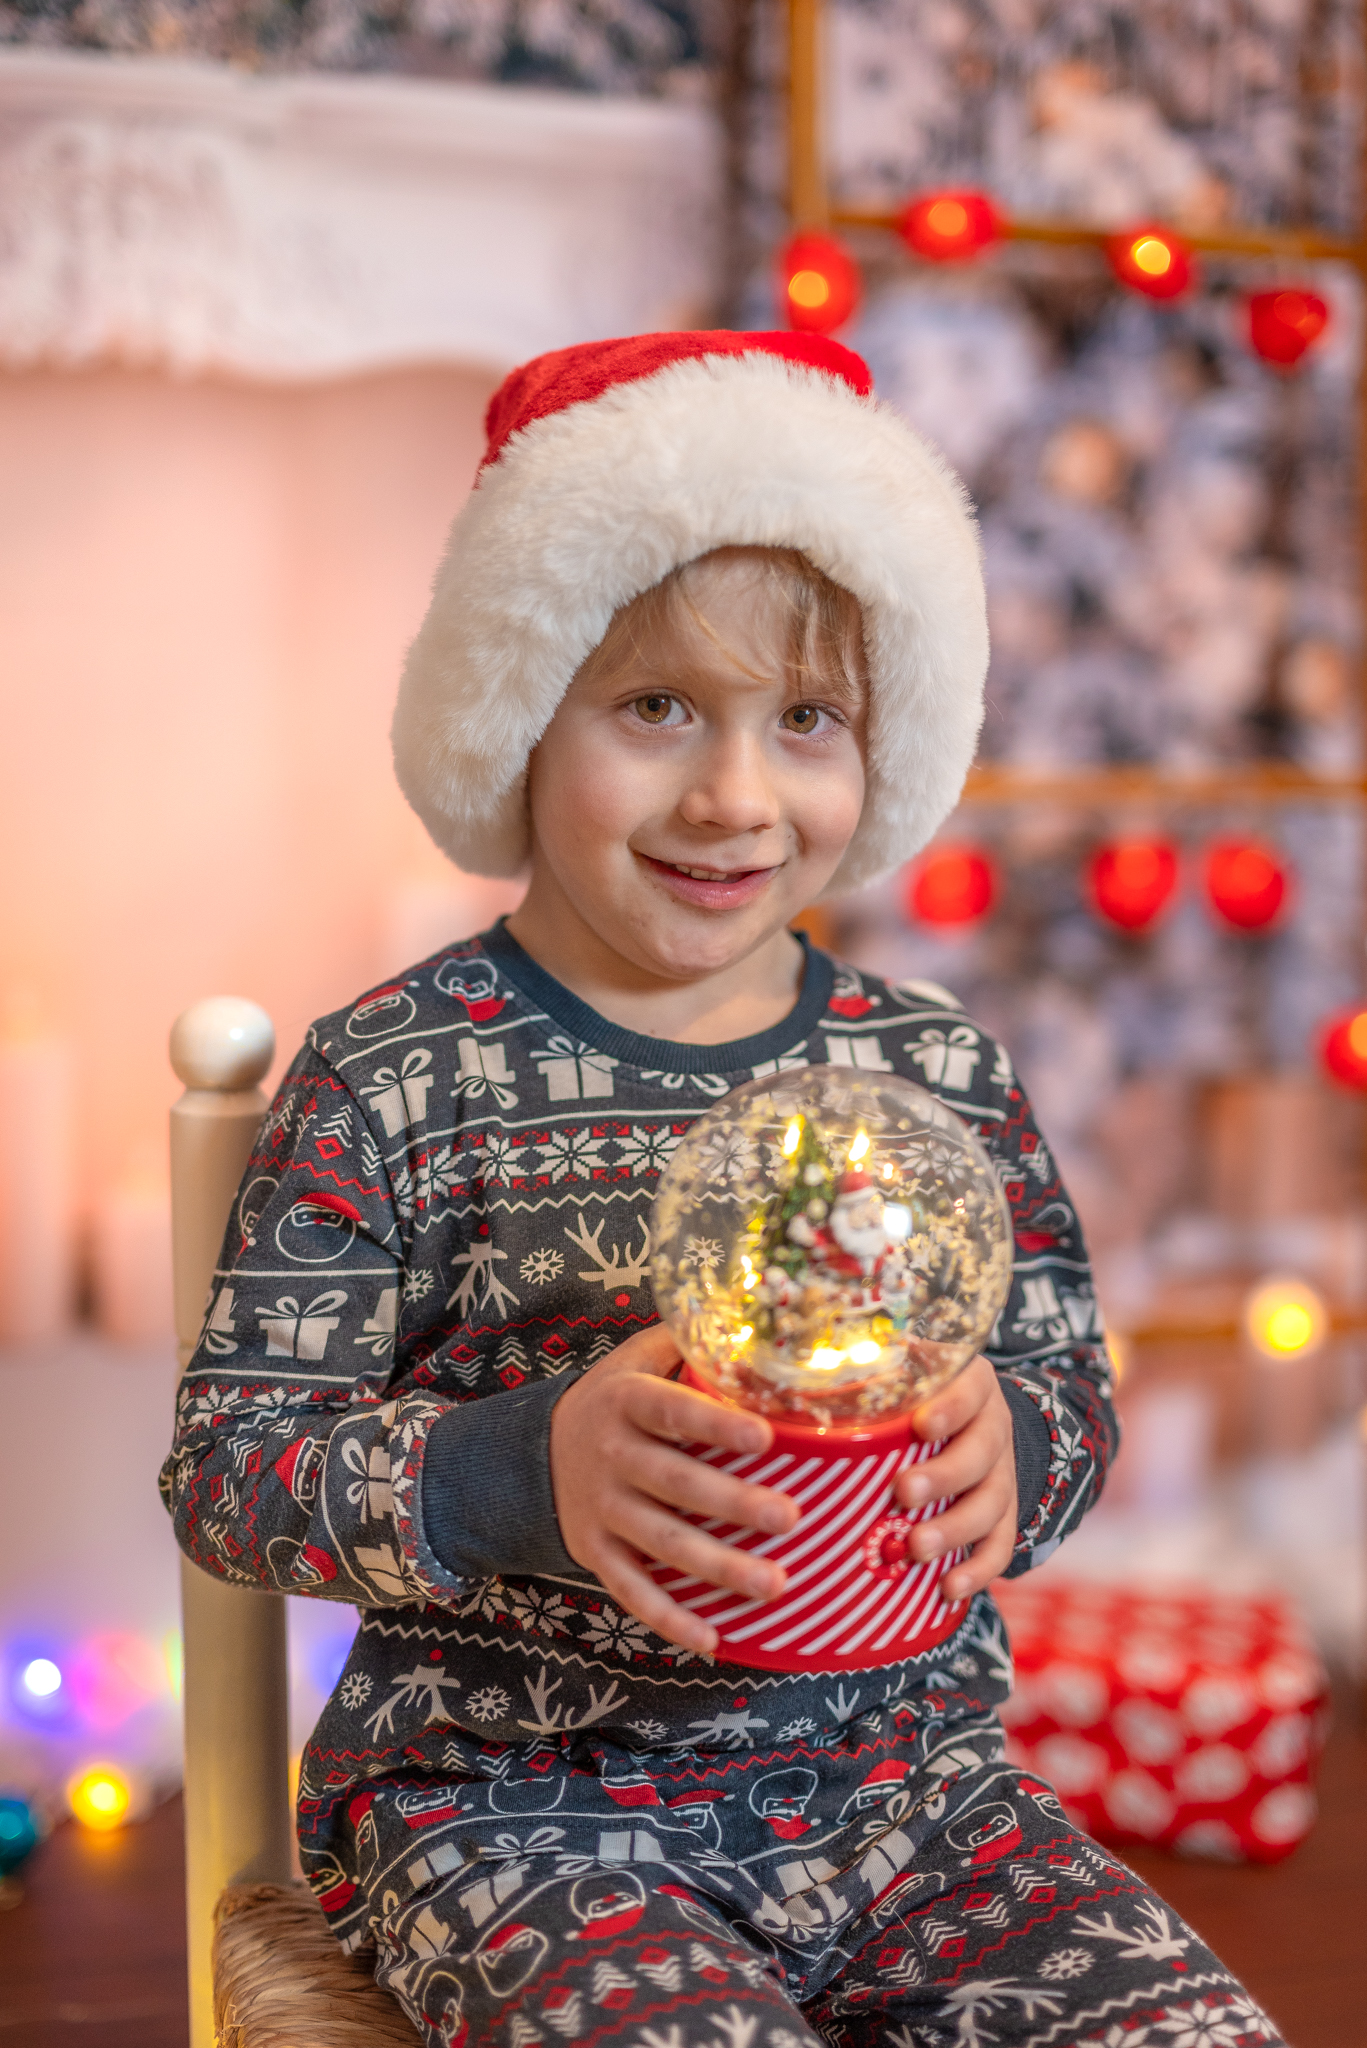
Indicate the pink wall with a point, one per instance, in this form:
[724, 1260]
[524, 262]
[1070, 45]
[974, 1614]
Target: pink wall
[205, 594]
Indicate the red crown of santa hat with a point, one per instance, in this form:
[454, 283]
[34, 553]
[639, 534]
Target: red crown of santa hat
[614, 462]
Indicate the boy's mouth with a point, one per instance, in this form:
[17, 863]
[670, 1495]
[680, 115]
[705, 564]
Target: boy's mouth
[706, 887]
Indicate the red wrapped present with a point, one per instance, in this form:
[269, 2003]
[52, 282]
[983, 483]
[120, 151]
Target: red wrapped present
[1186, 1719]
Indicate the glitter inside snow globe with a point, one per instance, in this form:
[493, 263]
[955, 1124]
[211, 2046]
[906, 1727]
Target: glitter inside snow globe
[831, 1248]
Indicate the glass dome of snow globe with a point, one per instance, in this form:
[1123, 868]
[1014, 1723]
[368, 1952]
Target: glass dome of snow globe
[830, 1247]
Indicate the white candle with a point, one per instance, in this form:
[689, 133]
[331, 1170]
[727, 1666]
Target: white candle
[131, 1244]
[37, 1278]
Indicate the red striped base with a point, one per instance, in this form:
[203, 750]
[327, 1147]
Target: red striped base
[853, 1597]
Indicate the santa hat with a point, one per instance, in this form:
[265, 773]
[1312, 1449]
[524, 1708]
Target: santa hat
[611, 464]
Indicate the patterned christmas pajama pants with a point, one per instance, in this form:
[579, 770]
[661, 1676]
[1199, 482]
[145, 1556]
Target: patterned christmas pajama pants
[897, 1885]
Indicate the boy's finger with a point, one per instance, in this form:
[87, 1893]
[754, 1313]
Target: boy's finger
[648, 1351]
[954, 1407]
[619, 1569]
[989, 1560]
[969, 1519]
[966, 1458]
[698, 1489]
[656, 1533]
[681, 1416]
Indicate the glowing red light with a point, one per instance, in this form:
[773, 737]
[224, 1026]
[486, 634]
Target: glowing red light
[950, 227]
[1131, 881]
[819, 283]
[1282, 325]
[1246, 882]
[952, 885]
[1152, 260]
[1343, 1048]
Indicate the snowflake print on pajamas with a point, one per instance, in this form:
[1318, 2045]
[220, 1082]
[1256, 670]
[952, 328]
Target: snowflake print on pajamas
[615, 1634]
[574, 1154]
[1064, 1964]
[646, 1148]
[490, 1703]
[540, 1267]
[703, 1253]
[418, 1284]
[355, 1689]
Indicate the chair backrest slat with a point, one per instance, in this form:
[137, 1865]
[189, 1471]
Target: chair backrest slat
[237, 1817]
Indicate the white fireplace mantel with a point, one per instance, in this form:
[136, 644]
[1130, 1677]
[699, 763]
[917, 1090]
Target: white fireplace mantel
[195, 217]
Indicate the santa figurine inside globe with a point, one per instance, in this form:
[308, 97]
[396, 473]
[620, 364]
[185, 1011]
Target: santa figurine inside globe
[830, 1248]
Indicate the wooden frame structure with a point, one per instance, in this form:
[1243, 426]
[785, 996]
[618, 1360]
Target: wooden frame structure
[810, 206]
[989, 783]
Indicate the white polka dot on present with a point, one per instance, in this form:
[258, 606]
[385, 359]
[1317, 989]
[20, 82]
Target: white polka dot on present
[1287, 1813]
[1073, 1694]
[1151, 1734]
[1289, 1681]
[1072, 1766]
[1212, 1774]
[1150, 1665]
[1217, 1702]
[1282, 1745]
[1138, 1802]
[1213, 1838]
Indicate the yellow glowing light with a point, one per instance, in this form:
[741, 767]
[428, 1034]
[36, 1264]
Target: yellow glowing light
[1118, 1351]
[173, 1655]
[946, 217]
[1285, 1319]
[744, 1334]
[825, 1358]
[99, 1797]
[792, 1137]
[859, 1148]
[1151, 256]
[867, 1353]
[1357, 1035]
[808, 288]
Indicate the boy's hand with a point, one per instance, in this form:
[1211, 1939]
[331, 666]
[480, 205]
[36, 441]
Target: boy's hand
[618, 1480]
[978, 1465]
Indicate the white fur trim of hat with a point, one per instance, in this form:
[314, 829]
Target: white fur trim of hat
[592, 502]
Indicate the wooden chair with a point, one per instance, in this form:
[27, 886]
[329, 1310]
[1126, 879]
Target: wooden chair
[264, 1970]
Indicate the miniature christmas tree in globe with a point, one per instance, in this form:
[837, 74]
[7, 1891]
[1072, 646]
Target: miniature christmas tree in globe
[831, 1247]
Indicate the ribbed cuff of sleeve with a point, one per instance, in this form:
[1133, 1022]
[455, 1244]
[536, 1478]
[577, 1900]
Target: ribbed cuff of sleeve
[487, 1503]
[1031, 1433]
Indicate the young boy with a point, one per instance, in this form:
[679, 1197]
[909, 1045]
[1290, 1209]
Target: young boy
[708, 640]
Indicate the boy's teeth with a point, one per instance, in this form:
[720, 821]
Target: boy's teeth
[702, 874]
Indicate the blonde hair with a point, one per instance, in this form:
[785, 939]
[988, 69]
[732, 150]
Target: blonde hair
[821, 623]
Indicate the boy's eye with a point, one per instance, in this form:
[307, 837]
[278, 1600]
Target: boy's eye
[802, 718]
[654, 709]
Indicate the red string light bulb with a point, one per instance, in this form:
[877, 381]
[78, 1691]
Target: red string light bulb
[951, 885]
[1246, 883]
[1152, 260]
[819, 283]
[950, 227]
[1131, 881]
[1283, 324]
[1343, 1049]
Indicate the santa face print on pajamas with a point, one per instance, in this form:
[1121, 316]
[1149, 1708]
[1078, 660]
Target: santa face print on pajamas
[892, 1881]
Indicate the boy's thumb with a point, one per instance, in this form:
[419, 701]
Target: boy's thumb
[652, 1351]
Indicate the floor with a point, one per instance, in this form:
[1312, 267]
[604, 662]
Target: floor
[94, 1950]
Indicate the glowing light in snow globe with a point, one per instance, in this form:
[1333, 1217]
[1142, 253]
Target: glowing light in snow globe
[831, 1247]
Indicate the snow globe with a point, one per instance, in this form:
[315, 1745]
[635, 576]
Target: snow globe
[830, 1247]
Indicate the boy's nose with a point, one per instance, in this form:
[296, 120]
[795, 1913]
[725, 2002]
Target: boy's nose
[733, 790]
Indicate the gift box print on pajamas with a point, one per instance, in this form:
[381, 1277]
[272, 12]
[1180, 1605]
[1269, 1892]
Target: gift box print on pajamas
[1184, 1719]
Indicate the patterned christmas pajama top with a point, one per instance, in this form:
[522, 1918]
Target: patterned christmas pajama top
[547, 1822]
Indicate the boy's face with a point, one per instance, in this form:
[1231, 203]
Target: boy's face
[689, 805]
